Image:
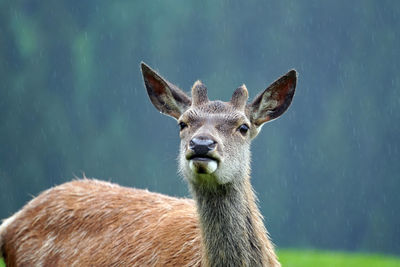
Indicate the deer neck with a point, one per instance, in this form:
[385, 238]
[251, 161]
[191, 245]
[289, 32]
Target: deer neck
[233, 233]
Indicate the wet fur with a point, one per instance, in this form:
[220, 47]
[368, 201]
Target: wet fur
[93, 223]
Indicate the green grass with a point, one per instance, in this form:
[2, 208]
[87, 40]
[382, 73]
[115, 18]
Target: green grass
[312, 258]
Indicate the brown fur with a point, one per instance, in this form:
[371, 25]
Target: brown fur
[94, 223]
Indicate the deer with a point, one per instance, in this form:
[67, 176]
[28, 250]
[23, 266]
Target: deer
[88, 222]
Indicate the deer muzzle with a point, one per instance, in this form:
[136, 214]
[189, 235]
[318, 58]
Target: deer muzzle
[202, 155]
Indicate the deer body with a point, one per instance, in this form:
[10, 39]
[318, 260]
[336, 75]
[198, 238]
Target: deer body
[91, 223]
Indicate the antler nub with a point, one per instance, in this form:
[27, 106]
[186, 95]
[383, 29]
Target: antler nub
[199, 94]
[239, 97]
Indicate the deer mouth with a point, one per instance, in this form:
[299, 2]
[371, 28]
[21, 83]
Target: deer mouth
[203, 164]
[202, 158]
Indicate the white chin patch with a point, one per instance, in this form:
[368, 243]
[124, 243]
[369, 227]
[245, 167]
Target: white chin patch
[203, 166]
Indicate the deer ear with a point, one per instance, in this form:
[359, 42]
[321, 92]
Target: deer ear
[274, 100]
[166, 97]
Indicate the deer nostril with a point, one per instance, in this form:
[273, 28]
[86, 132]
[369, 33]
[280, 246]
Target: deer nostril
[212, 145]
[192, 145]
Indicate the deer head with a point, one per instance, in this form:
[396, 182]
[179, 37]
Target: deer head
[215, 135]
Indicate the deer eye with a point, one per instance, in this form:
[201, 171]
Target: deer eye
[182, 125]
[243, 129]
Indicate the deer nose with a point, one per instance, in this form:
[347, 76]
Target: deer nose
[202, 145]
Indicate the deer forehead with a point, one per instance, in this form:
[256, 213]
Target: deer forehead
[215, 112]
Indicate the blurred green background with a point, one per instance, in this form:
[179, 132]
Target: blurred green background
[72, 101]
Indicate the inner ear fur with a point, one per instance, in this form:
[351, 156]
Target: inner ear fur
[273, 101]
[165, 96]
